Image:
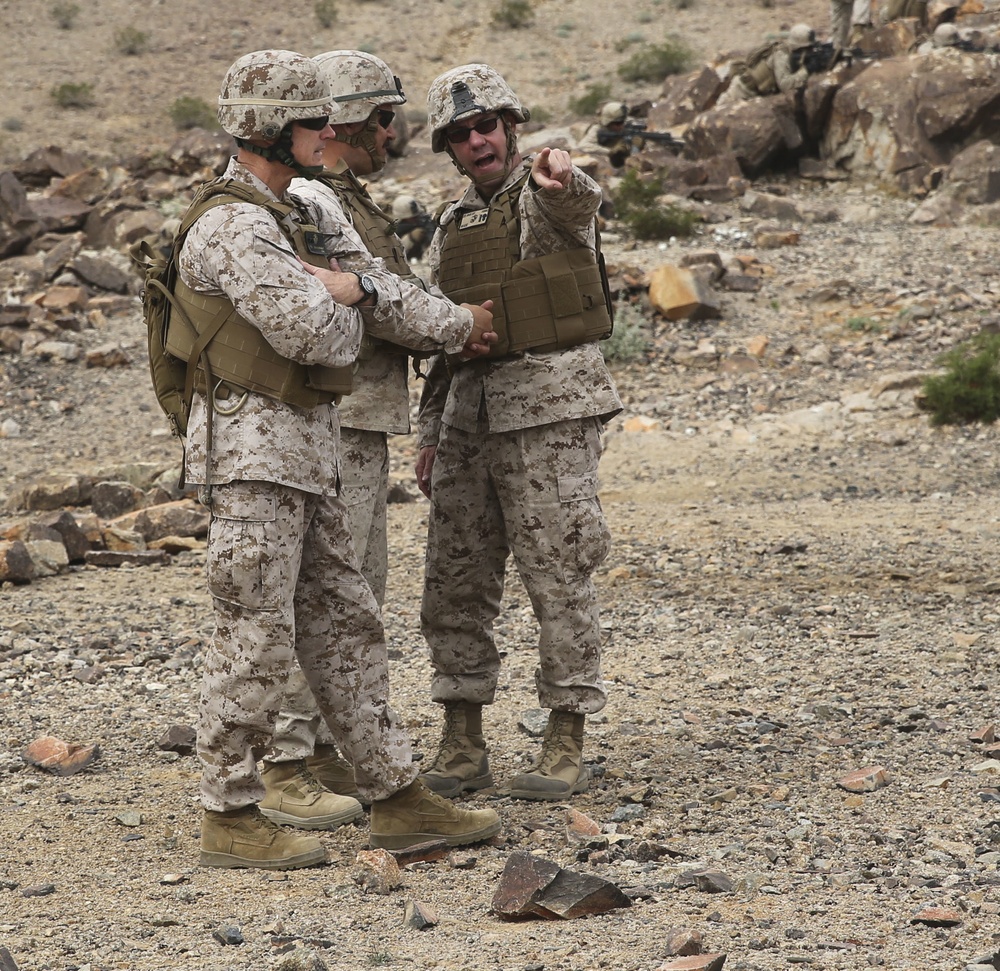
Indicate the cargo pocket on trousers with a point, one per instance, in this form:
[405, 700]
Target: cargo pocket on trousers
[586, 535]
[242, 568]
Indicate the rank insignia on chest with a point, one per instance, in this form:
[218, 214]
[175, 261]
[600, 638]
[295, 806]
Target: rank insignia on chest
[470, 220]
[314, 243]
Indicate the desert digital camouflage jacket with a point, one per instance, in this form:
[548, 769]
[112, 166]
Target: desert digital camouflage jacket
[531, 388]
[424, 322]
[237, 250]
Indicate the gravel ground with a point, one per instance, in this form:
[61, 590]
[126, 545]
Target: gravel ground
[803, 583]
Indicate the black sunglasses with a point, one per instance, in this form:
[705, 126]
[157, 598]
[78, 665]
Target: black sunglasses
[456, 136]
[385, 117]
[316, 124]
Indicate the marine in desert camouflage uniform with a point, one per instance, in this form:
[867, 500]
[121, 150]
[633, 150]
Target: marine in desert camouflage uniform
[282, 571]
[365, 94]
[509, 450]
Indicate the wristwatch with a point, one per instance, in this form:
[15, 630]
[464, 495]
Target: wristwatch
[368, 287]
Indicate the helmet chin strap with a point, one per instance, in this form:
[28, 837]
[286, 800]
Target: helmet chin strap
[280, 150]
[508, 165]
[365, 140]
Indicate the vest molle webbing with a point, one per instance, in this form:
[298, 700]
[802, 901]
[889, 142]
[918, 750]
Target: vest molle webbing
[237, 352]
[547, 303]
[375, 229]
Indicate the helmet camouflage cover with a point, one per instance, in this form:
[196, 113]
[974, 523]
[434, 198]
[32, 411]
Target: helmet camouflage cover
[405, 206]
[359, 83]
[464, 92]
[612, 112]
[265, 90]
[801, 35]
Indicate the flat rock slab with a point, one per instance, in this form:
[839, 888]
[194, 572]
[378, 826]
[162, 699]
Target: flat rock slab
[61, 758]
[531, 886]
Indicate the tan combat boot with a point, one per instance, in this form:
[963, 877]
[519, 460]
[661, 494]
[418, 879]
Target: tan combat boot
[460, 764]
[417, 815]
[333, 772]
[559, 771]
[295, 798]
[245, 838]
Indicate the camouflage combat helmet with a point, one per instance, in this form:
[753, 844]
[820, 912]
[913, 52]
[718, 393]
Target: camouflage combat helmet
[403, 207]
[945, 35]
[801, 35]
[359, 83]
[464, 92]
[266, 90]
[613, 112]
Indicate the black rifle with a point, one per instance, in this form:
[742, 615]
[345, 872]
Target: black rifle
[635, 135]
[822, 57]
[816, 57]
[422, 220]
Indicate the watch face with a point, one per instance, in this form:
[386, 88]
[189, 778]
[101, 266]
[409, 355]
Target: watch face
[368, 284]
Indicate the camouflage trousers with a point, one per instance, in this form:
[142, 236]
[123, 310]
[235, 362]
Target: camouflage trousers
[531, 493]
[364, 484]
[286, 586]
[840, 22]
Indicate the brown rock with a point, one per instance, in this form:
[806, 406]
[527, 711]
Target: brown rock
[419, 916]
[985, 735]
[676, 293]
[107, 356]
[101, 273]
[697, 962]
[684, 942]
[62, 299]
[865, 780]
[937, 917]
[119, 558]
[775, 238]
[427, 852]
[183, 517]
[580, 826]
[530, 885]
[178, 738]
[377, 872]
[110, 500]
[69, 531]
[61, 758]
[684, 97]
[16, 564]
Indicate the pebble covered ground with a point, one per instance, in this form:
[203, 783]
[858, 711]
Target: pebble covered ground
[803, 584]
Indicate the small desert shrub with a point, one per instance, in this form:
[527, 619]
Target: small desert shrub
[629, 40]
[73, 94]
[590, 100]
[513, 14]
[656, 61]
[682, 4]
[630, 339]
[188, 113]
[13, 124]
[326, 12]
[64, 14]
[542, 115]
[131, 41]
[969, 388]
[863, 325]
[637, 206]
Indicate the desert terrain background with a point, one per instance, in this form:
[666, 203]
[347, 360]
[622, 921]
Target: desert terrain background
[803, 581]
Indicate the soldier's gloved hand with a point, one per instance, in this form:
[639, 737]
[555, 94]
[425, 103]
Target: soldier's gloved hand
[552, 169]
[482, 334]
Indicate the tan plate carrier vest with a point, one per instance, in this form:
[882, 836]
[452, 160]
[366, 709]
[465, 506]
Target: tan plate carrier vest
[377, 232]
[759, 75]
[547, 303]
[238, 356]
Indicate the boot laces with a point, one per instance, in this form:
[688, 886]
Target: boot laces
[449, 738]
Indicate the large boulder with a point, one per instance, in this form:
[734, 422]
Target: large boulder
[761, 133]
[904, 119]
[684, 97]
